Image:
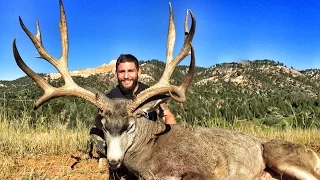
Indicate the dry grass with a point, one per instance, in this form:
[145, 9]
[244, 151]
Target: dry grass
[45, 153]
[20, 142]
[307, 137]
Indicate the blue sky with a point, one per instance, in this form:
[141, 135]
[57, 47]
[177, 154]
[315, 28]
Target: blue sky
[287, 31]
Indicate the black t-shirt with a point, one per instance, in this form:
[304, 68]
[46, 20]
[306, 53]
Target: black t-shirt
[117, 93]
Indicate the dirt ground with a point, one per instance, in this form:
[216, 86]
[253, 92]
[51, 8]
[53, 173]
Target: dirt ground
[57, 167]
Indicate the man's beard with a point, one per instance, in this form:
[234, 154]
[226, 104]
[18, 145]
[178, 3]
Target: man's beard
[130, 89]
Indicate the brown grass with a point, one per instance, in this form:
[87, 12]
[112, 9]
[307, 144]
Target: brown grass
[43, 153]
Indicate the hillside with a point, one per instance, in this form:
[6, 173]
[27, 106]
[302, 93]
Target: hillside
[261, 90]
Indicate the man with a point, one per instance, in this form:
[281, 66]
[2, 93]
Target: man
[128, 72]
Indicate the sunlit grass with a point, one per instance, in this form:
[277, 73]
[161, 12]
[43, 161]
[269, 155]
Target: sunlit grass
[309, 136]
[17, 139]
[7, 164]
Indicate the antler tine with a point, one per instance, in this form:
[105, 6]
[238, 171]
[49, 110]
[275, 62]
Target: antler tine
[179, 94]
[186, 27]
[187, 42]
[64, 36]
[39, 80]
[171, 36]
[70, 88]
[163, 86]
[61, 64]
[170, 62]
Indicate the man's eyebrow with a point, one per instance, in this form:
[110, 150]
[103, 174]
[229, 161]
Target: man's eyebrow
[123, 70]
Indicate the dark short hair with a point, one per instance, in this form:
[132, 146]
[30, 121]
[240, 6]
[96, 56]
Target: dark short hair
[127, 58]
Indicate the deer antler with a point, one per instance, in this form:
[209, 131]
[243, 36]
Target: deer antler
[70, 88]
[163, 86]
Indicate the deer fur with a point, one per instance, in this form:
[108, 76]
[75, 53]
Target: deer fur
[152, 150]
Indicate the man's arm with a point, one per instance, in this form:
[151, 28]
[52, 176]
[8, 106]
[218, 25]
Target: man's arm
[167, 115]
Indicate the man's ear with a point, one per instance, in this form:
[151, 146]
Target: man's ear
[115, 74]
[139, 72]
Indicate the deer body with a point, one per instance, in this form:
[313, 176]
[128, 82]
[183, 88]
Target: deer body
[177, 152]
[173, 151]
[199, 153]
[154, 150]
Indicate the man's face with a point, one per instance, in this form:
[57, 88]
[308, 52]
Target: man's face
[127, 75]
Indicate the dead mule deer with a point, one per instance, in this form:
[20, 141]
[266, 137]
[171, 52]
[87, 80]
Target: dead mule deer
[153, 150]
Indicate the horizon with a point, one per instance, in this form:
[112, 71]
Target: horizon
[283, 31]
[145, 61]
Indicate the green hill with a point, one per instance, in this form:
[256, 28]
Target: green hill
[263, 91]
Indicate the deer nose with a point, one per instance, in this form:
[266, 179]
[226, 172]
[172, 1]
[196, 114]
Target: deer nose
[114, 164]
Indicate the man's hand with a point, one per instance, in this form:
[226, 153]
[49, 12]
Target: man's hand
[166, 114]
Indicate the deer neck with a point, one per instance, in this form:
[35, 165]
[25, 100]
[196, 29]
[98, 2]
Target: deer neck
[146, 133]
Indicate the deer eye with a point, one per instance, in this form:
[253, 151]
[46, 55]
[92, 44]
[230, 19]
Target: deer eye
[105, 129]
[131, 126]
[103, 122]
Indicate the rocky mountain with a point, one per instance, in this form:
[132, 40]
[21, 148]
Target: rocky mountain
[104, 68]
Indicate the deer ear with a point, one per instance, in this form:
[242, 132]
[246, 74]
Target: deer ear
[162, 129]
[150, 106]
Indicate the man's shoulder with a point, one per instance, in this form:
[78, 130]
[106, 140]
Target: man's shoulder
[142, 86]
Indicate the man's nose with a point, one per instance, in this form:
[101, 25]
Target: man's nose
[126, 75]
